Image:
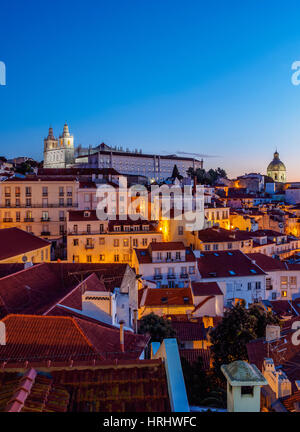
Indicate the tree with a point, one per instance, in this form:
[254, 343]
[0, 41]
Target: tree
[238, 327]
[209, 177]
[158, 327]
[176, 174]
[202, 386]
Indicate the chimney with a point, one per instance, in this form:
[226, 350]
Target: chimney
[2, 333]
[272, 332]
[122, 335]
[135, 320]
[194, 185]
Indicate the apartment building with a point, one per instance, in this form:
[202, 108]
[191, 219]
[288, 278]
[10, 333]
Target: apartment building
[38, 204]
[166, 265]
[113, 241]
[237, 275]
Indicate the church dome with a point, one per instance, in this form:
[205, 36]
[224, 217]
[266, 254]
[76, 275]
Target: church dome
[276, 164]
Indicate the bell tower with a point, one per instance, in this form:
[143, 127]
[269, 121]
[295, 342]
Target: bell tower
[59, 153]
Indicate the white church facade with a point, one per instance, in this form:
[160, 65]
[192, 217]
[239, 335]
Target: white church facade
[59, 153]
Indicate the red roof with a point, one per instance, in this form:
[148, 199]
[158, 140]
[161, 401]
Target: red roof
[39, 288]
[189, 331]
[14, 241]
[144, 256]
[36, 338]
[226, 264]
[165, 297]
[192, 356]
[267, 263]
[216, 235]
[206, 289]
[166, 246]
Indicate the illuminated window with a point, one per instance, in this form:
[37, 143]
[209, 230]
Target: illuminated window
[283, 293]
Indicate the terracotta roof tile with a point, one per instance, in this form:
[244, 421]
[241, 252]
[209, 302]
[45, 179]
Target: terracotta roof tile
[226, 264]
[167, 297]
[14, 241]
[206, 288]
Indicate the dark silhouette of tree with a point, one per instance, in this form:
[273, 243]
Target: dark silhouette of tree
[209, 177]
[158, 327]
[238, 327]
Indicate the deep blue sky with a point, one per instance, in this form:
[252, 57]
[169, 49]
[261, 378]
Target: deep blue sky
[212, 77]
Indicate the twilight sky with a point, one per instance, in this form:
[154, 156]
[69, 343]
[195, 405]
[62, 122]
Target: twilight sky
[211, 77]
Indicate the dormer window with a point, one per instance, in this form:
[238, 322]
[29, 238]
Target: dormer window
[178, 255]
[117, 228]
[86, 214]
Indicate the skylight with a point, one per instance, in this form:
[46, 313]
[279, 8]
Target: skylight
[232, 272]
[253, 271]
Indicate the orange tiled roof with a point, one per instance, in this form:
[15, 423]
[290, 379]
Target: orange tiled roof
[14, 241]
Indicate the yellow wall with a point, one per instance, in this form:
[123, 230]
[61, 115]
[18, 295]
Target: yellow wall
[35, 256]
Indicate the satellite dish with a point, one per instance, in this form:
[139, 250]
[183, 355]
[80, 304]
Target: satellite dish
[24, 259]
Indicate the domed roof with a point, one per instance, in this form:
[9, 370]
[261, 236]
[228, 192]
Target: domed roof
[276, 164]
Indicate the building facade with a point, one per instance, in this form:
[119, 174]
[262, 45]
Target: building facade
[59, 153]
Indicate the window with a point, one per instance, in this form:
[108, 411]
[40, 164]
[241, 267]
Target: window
[125, 242]
[69, 190]
[28, 191]
[61, 202]
[274, 295]
[101, 240]
[17, 191]
[293, 280]
[207, 247]
[69, 202]
[178, 255]
[61, 191]
[157, 271]
[258, 285]
[215, 247]
[192, 270]
[125, 257]
[75, 228]
[116, 243]
[61, 229]
[229, 245]
[18, 216]
[7, 191]
[116, 258]
[268, 284]
[283, 280]
[88, 228]
[75, 242]
[101, 228]
[169, 255]
[249, 286]
[45, 191]
[180, 230]
[135, 242]
[45, 216]
[89, 258]
[101, 257]
[61, 215]
[283, 293]
[18, 202]
[145, 242]
[247, 390]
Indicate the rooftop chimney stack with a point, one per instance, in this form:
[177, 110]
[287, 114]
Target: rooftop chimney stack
[122, 335]
[135, 320]
[2, 333]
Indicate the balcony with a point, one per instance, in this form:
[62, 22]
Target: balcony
[89, 246]
[39, 205]
[171, 276]
[7, 219]
[157, 277]
[7, 195]
[45, 219]
[45, 233]
[184, 276]
[28, 219]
